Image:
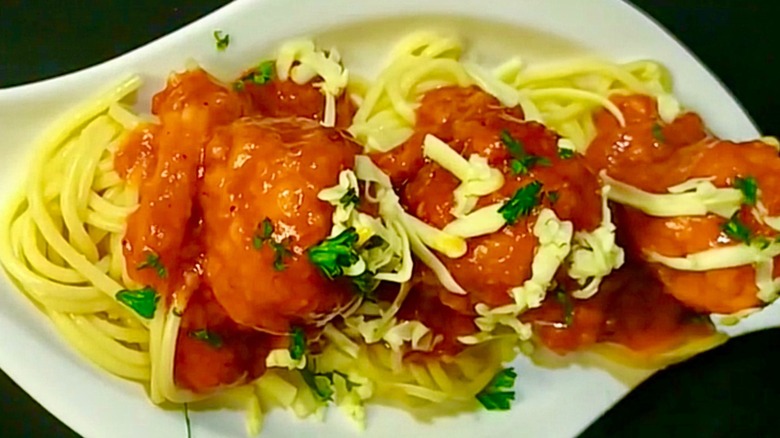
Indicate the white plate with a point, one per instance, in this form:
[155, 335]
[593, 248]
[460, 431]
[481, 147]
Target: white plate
[98, 405]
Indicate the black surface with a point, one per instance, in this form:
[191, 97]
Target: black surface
[730, 392]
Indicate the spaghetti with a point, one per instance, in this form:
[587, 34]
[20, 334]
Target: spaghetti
[397, 240]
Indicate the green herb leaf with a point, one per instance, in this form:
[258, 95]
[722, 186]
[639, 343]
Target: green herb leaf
[297, 343]
[265, 230]
[658, 133]
[223, 40]
[260, 75]
[281, 252]
[553, 196]
[350, 384]
[207, 336]
[365, 284]
[320, 384]
[522, 202]
[332, 255]
[565, 153]
[522, 162]
[153, 261]
[351, 197]
[142, 301]
[737, 230]
[264, 234]
[498, 394]
[749, 188]
[568, 307]
[373, 242]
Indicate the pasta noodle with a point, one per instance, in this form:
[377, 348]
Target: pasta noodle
[63, 238]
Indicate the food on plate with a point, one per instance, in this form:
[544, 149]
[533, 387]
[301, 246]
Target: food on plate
[300, 235]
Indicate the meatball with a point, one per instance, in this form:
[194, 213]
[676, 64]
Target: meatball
[653, 156]
[261, 214]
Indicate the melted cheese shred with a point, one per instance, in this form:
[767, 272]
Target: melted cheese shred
[60, 239]
[561, 96]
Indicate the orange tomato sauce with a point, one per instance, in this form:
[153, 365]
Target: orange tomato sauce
[652, 156]
[217, 164]
[632, 308]
[221, 162]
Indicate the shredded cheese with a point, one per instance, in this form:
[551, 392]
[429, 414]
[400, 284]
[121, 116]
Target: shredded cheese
[418, 233]
[476, 176]
[281, 358]
[595, 254]
[486, 220]
[301, 61]
[554, 246]
[696, 197]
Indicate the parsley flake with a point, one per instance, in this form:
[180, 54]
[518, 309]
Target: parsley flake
[332, 255]
[260, 75]
[522, 202]
[281, 252]
[522, 162]
[351, 197]
[153, 261]
[223, 40]
[568, 307]
[207, 336]
[320, 384]
[658, 133]
[749, 188]
[736, 229]
[365, 284]
[565, 153]
[263, 235]
[553, 196]
[497, 395]
[142, 301]
[297, 343]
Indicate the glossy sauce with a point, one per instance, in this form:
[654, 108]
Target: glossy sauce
[471, 122]
[216, 165]
[684, 150]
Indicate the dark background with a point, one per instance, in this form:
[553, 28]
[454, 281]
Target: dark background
[732, 391]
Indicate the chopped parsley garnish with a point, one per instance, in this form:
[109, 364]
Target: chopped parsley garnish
[332, 255]
[281, 252]
[522, 202]
[736, 229]
[207, 336]
[568, 307]
[365, 284]
[658, 133]
[153, 261]
[749, 188]
[263, 235]
[320, 384]
[351, 197]
[260, 75]
[553, 197]
[373, 242]
[522, 162]
[297, 343]
[223, 40]
[142, 301]
[565, 153]
[498, 394]
[350, 384]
